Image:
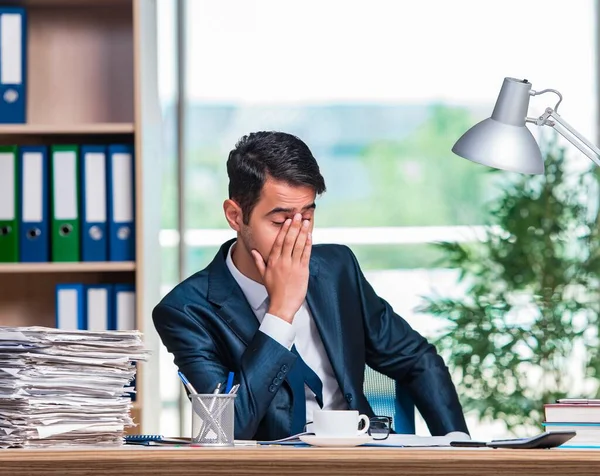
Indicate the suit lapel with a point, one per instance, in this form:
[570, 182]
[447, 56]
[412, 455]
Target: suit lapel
[325, 313]
[225, 293]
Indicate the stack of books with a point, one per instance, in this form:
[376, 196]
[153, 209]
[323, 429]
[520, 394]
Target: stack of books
[575, 414]
[66, 388]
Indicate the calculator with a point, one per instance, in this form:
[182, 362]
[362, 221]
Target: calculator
[548, 439]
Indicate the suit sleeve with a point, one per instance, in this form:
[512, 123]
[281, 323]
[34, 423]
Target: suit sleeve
[264, 365]
[398, 351]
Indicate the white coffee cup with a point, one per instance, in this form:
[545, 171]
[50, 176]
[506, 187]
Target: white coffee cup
[339, 423]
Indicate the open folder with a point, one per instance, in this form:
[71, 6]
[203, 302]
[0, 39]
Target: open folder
[415, 441]
[393, 440]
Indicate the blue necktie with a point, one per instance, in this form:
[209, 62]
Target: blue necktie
[301, 374]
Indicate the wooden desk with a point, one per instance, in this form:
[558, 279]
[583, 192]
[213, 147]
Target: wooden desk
[132, 461]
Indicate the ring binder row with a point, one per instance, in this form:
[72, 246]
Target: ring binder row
[67, 203]
[95, 307]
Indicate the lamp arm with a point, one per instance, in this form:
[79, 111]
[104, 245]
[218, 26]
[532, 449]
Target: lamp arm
[544, 91]
[568, 132]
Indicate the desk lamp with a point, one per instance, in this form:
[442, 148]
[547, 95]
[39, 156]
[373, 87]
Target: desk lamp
[503, 141]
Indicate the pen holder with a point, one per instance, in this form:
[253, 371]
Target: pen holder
[212, 419]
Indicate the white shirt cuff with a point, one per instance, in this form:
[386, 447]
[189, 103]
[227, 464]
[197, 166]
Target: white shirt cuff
[278, 330]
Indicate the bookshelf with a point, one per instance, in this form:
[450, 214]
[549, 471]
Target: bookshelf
[92, 79]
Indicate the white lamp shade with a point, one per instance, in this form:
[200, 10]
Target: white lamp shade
[503, 141]
[501, 146]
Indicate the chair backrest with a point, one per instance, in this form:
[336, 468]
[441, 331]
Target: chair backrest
[387, 398]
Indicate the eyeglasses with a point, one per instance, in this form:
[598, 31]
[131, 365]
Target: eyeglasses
[380, 427]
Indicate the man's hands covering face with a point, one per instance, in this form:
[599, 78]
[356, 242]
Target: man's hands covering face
[285, 275]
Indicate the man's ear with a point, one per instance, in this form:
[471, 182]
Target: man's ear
[233, 214]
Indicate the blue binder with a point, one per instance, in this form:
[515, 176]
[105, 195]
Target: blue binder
[34, 231]
[13, 78]
[70, 307]
[99, 307]
[124, 308]
[94, 232]
[121, 203]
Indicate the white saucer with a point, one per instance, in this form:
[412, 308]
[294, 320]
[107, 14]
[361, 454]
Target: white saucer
[331, 441]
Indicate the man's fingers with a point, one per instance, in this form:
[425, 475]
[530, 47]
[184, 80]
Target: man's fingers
[292, 235]
[301, 241]
[259, 261]
[307, 250]
[278, 245]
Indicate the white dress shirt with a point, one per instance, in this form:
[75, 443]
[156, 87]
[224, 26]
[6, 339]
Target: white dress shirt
[302, 332]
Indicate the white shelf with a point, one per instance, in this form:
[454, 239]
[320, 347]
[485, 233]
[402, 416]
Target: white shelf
[100, 267]
[70, 129]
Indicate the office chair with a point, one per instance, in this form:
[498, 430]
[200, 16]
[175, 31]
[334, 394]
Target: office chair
[387, 398]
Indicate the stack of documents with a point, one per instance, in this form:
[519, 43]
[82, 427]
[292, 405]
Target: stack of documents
[65, 387]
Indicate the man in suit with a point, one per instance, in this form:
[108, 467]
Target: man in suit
[296, 323]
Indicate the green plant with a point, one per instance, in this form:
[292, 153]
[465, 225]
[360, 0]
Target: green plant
[528, 321]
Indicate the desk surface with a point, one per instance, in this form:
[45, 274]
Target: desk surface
[296, 461]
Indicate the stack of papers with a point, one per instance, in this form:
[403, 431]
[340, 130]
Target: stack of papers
[66, 387]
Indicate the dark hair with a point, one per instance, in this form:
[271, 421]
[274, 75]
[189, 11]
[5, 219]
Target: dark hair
[276, 154]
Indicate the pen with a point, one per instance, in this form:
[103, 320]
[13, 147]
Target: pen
[187, 383]
[209, 420]
[229, 382]
[205, 428]
[192, 390]
[221, 409]
[216, 391]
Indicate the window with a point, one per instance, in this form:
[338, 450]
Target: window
[379, 90]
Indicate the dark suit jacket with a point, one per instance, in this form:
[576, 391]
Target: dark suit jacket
[210, 328]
